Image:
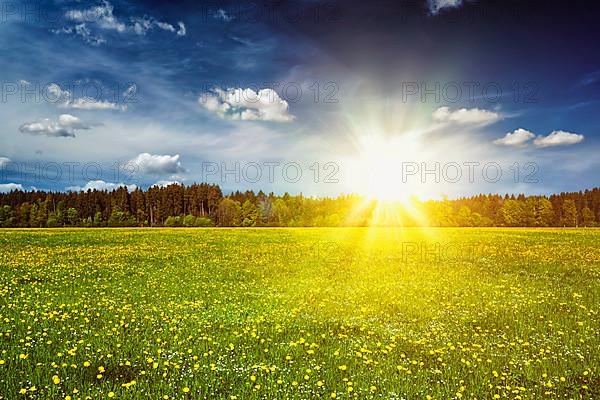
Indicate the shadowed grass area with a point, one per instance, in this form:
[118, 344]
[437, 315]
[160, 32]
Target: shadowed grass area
[299, 313]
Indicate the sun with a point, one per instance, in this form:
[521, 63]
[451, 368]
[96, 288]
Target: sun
[378, 172]
[383, 168]
[381, 164]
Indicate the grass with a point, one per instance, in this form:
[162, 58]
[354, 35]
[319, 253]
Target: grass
[299, 313]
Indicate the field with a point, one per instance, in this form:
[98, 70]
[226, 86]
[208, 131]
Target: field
[299, 313]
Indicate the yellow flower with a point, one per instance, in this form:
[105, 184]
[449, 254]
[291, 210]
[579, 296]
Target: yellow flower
[186, 389]
[56, 379]
[111, 394]
[23, 391]
[342, 367]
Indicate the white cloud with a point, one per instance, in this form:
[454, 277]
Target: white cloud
[93, 104]
[64, 99]
[518, 138]
[222, 15]
[157, 164]
[130, 91]
[163, 184]
[83, 31]
[521, 137]
[8, 187]
[102, 17]
[65, 126]
[100, 185]
[141, 25]
[558, 138]
[58, 95]
[181, 31]
[436, 5]
[246, 104]
[4, 161]
[465, 116]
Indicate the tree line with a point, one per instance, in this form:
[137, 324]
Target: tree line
[203, 205]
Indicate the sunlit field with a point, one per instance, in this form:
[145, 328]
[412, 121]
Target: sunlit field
[299, 313]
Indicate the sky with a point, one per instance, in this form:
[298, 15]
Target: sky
[322, 97]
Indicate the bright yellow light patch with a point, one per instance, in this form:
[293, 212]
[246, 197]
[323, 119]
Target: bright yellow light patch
[380, 167]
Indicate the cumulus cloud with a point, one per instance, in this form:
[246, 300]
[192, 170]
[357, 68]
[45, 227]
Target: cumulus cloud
[246, 104]
[102, 17]
[57, 95]
[436, 6]
[100, 185]
[518, 138]
[157, 164]
[65, 126]
[521, 138]
[8, 187]
[465, 116]
[558, 138]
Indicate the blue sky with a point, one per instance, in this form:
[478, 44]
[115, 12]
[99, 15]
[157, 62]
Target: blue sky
[99, 94]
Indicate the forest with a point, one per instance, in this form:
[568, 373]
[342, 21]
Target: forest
[203, 205]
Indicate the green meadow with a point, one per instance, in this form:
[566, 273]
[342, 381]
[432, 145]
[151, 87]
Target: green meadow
[356, 313]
